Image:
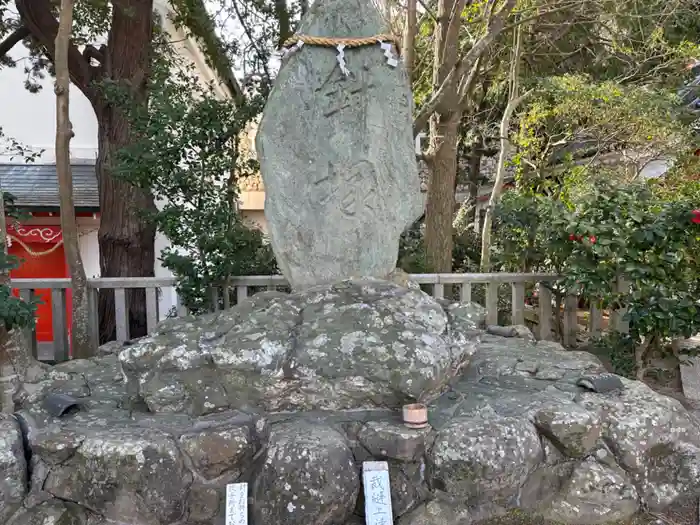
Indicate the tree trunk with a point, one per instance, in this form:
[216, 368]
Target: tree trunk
[444, 138]
[409, 37]
[80, 332]
[126, 238]
[284, 21]
[439, 210]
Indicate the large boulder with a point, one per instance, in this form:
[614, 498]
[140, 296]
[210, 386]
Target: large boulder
[485, 460]
[516, 431]
[135, 468]
[653, 438]
[594, 493]
[357, 344]
[308, 476]
[337, 154]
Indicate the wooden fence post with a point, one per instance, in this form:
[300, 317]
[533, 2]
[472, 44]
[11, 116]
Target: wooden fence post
[59, 325]
[121, 315]
[492, 303]
[214, 296]
[465, 293]
[151, 309]
[518, 303]
[570, 320]
[241, 293]
[595, 320]
[545, 313]
[617, 317]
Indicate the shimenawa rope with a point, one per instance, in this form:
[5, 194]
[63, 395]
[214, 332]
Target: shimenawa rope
[348, 42]
[30, 251]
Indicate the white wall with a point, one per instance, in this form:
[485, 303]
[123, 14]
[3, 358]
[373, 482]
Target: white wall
[89, 250]
[31, 118]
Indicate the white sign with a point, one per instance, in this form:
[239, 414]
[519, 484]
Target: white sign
[237, 504]
[375, 478]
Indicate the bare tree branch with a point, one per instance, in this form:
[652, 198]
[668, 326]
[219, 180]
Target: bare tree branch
[92, 53]
[427, 10]
[514, 99]
[460, 69]
[38, 17]
[13, 39]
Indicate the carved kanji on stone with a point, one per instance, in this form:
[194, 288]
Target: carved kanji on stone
[336, 152]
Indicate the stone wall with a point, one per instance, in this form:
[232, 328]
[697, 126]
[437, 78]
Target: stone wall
[510, 430]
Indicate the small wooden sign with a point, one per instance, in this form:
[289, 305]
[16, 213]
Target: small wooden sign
[375, 479]
[237, 504]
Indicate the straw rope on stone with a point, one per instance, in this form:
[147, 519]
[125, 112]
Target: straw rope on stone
[385, 40]
[347, 42]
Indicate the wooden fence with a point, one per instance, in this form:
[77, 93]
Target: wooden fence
[548, 326]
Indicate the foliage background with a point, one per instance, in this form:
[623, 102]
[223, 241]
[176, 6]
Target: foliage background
[191, 153]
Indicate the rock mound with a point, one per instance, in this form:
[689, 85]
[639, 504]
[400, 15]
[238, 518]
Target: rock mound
[510, 431]
[357, 344]
[308, 476]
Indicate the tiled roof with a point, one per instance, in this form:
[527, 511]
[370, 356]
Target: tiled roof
[36, 185]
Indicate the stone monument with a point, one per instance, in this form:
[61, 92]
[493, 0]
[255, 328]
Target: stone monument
[292, 393]
[337, 153]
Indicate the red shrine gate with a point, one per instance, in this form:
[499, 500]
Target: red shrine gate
[40, 250]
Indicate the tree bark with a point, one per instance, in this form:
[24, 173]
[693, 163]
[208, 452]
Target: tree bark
[80, 332]
[126, 238]
[439, 209]
[444, 138]
[284, 21]
[453, 76]
[12, 40]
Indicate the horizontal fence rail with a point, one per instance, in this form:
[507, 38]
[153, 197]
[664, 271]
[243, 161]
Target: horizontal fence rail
[485, 288]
